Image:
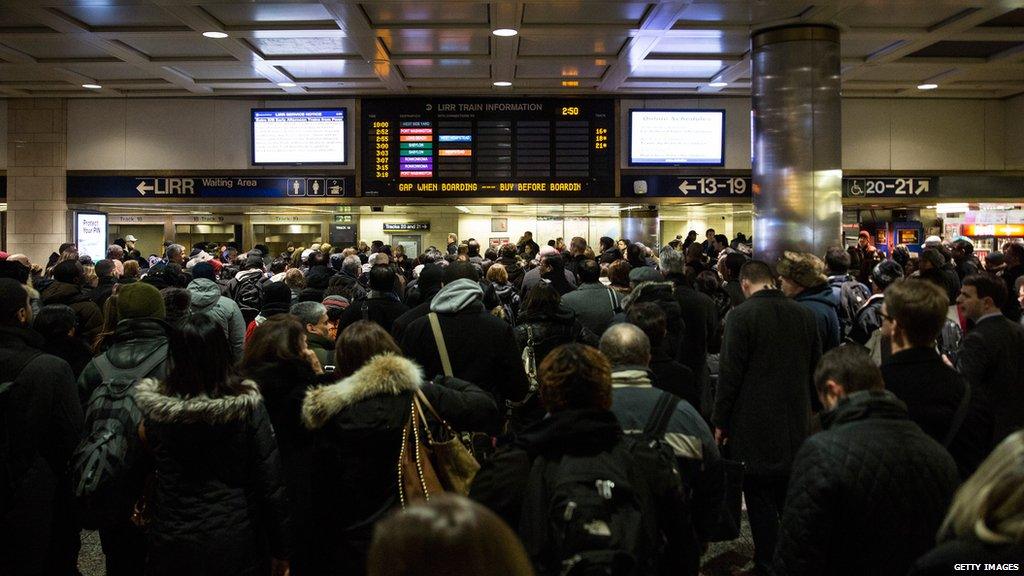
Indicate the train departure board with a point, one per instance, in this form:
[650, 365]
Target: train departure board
[433, 147]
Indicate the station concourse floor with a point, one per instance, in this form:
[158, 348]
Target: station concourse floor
[721, 558]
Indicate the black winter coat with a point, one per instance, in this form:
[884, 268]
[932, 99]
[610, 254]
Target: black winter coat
[502, 481]
[43, 422]
[219, 503]
[551, 331]
[769, 351]
[932, 392]
[356, 427]
[662, 294]
[700, 324]
[481, 348]
[90, 317]
[867, 495]
[71, 350]
[382, 308]
[675, 377]
[991, 356]
[820, 301]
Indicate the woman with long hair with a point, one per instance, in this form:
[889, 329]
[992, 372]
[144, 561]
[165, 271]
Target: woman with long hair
[357, 425]
[986, 520]
[218, 502]
[278, 359]
[447, 536]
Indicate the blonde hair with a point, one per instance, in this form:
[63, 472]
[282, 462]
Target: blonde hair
[990, 504]
[497, 273]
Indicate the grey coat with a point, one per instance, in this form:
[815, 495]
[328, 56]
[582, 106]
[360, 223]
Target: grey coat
[594, 305]
[769, 351]
[206, 299]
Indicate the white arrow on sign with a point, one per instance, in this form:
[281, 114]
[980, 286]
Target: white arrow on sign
[686, 187]
[142, 188]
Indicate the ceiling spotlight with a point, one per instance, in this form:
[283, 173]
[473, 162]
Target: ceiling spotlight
[718, 84]
[286, 84]
[215, 34]
[92, 86]
[502, 84]
[506, 32]
[927, 86]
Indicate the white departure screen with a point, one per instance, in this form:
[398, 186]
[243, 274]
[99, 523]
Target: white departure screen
[298, 136]
[677, 137]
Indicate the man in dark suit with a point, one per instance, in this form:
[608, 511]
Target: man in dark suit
[913, 314]
[762, 407]
[992, 354]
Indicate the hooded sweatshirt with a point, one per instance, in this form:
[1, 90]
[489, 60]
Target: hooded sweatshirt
[206, 299]
[820, 300]
[457, 296]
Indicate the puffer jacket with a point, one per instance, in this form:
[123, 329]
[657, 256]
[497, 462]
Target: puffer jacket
[820, 300]
[134, 341]
[866, 495]
[219, 504]
[662, 294]
[207, 299]
[90, 317]
[868, 319]
[356, 425]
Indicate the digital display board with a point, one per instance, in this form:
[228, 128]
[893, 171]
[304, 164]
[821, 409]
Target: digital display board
[676, 137]
[298, 136]
[488, 147]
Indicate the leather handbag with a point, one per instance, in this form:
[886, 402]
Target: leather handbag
[429, 465]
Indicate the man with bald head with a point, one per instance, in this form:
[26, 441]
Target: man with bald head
[635, 400]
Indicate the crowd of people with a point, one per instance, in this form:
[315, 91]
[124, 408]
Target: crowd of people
[215, 411]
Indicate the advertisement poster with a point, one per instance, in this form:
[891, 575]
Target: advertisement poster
[91, 235]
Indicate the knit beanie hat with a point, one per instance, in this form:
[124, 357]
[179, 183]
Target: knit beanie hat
[140, 300]
[278, 292]
[804, 269]
[644, 274]
[885, 273]
[933, 257]
[203, 270]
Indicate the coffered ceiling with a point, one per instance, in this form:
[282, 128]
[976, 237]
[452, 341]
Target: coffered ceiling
[971, 49]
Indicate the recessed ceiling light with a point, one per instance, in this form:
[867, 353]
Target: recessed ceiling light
[215, 34]
[92, 86]
[286, 84]
[927, 86]
[502, 84]
[718, 84]
[504, 32]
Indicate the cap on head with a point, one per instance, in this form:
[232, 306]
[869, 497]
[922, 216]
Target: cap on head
[140, 300]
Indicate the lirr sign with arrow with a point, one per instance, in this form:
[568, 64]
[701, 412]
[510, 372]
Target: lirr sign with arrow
[159, 187]
[697, 186]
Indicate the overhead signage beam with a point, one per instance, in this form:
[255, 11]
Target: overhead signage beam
[159, 188]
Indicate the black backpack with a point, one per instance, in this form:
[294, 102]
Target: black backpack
[106, 464]
[509, 302]
[248, 294]
[8, 474]
[598, 519]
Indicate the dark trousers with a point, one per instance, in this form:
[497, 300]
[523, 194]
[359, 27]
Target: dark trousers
[765, 497]
[125, 551]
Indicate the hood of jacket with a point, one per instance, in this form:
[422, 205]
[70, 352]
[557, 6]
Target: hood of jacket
[11, 337]
[457, 296]
[62, 293]
[865, 405]
[205, 293]
[571, 432]
[563, 316]
[821, 293]
[135, 340]
[244, 274]
[159, 405]
[386, 374]
[650, 292]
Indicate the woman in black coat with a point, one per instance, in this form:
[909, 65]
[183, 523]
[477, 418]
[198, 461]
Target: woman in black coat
[218, 500]
[356, 425]
[282, 365]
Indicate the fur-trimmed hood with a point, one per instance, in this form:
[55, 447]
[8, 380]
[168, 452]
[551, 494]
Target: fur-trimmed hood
[158, 405]
[386, 374]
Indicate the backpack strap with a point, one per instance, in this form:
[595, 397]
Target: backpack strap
[959, 416]
[657, 422]
[442, 349]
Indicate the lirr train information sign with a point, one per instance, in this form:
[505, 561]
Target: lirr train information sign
[204, 187]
